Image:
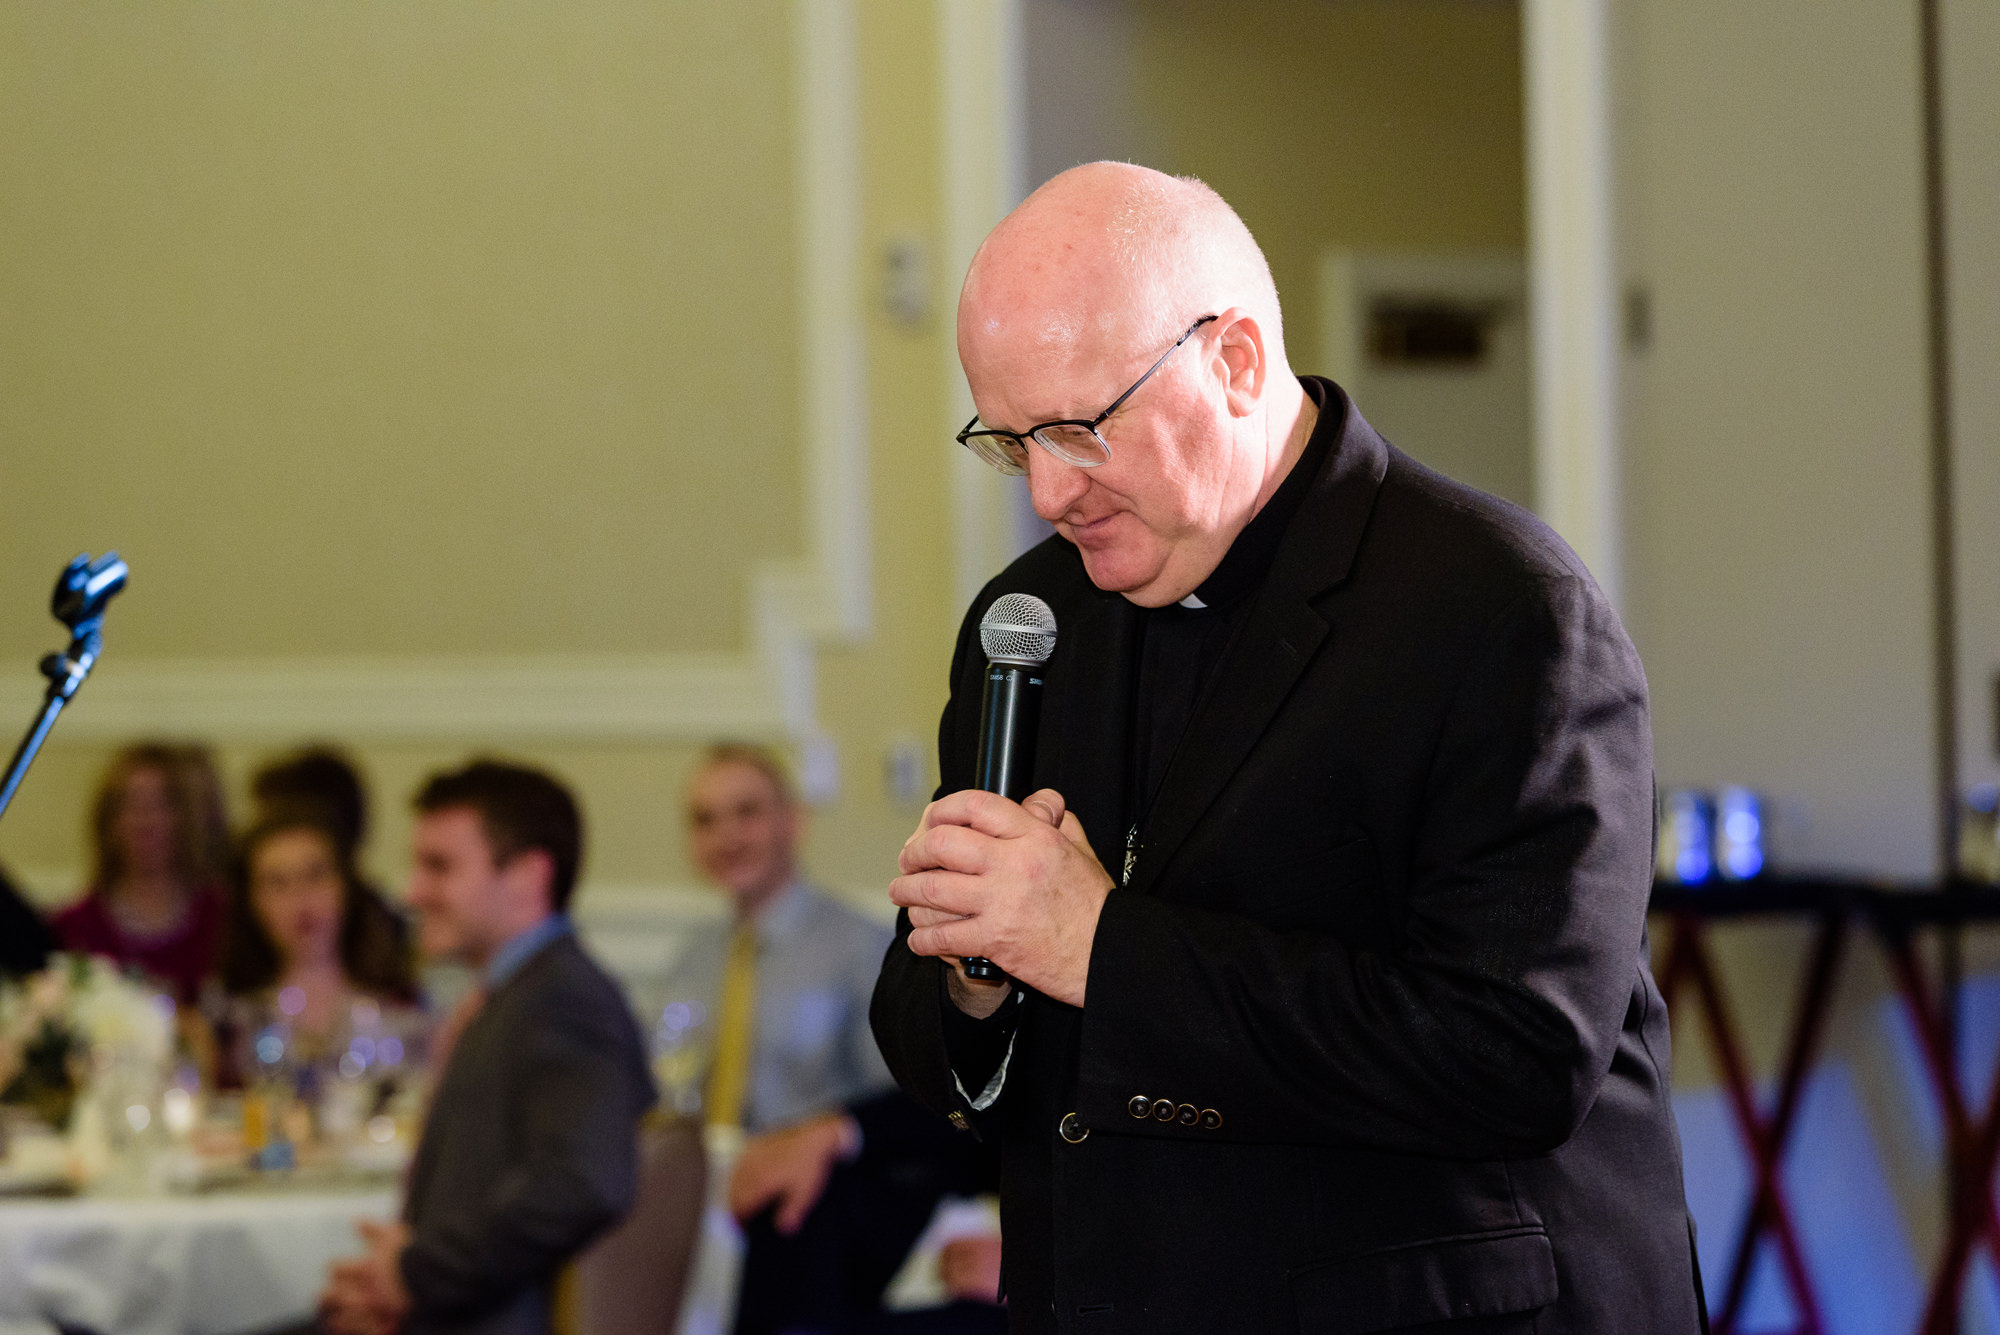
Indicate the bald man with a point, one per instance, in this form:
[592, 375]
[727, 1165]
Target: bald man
[1329, 1007]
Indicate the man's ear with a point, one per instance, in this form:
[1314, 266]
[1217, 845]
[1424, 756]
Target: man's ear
[530, 876]
[1239, 351]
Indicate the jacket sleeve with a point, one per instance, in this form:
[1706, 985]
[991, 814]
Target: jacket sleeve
[577, 1173]
[905, 1144]
[1490, 1025]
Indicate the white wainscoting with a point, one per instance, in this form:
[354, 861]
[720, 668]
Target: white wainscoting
[662, 696]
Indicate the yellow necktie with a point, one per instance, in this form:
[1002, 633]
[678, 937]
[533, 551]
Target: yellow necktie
[735, 1035]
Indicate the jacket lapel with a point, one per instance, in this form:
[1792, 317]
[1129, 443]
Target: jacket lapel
[1279, 637]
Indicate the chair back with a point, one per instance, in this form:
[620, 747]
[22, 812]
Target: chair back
[631, 1281]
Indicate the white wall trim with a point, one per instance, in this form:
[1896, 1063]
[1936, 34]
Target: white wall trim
[984, 121]
[1572, 283]
[657, 697]
[766, 690]
[833, 350]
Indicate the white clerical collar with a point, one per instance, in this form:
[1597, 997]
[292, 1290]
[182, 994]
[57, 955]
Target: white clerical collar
[1193, 603]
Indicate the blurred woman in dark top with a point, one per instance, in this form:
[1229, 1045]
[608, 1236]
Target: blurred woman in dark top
[316, 967]
[155, 898]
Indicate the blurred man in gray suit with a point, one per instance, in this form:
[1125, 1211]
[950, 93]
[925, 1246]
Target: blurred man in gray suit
[529, 1147]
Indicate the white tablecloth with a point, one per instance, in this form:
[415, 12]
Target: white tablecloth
[206, 1265]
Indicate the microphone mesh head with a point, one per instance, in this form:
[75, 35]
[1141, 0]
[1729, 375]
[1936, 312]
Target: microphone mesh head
[1018, 628]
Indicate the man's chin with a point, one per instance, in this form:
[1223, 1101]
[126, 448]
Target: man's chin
[1116, 572]
[440, 947]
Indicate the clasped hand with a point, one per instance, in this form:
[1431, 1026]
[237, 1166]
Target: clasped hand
[1016, 883]
[365, 1295]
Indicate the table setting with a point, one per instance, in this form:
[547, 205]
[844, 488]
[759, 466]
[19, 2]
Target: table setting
[137, 1195]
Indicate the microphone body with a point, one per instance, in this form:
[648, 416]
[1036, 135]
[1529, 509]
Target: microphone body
[1009, 710]
[1018, 634]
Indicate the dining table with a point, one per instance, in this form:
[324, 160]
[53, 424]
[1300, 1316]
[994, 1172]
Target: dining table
[228, 1262]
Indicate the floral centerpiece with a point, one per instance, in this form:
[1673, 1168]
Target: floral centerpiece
[76, 1022]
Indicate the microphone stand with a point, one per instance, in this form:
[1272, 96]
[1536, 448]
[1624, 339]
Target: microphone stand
[83, 590]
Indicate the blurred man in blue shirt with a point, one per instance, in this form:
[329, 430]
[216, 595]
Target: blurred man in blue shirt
[528, 1150]
[838, 1172]
[791, 1044]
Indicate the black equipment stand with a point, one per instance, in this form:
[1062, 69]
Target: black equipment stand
[83, 590]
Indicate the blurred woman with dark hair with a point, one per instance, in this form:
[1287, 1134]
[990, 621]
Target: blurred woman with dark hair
[155, 898]
[311, 950]
[321, 779]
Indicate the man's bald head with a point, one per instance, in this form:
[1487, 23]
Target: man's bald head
[1069, 301]
[1110, 252]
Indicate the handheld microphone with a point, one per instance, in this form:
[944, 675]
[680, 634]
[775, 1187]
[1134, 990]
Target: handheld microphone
[1018, 633]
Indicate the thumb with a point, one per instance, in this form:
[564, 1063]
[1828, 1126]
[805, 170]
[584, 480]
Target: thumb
[1046, 804]
[794, 1205]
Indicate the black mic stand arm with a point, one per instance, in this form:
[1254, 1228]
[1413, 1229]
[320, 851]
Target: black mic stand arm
[82, 592]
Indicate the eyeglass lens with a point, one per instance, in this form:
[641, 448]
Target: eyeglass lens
[1073, 443]
[1005, 453]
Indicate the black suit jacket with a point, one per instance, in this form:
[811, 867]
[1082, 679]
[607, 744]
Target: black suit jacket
[529, 1149]
[1381, 960]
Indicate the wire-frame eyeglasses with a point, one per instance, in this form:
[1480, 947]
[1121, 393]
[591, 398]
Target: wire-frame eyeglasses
[1073, 440]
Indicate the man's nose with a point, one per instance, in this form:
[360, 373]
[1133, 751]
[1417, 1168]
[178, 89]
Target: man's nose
[1053, 486]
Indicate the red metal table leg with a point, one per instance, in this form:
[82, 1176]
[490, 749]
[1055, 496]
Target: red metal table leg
[1767, 1205]
[1769, 1213]
[1971, 1148]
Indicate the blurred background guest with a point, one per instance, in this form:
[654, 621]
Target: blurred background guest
[312, 951]
[839, 1173]
[529, 1148]
[323, 780]
[155, 900]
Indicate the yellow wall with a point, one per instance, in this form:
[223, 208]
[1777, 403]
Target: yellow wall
[893, 686]
[392, 328]
[1362, 124]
